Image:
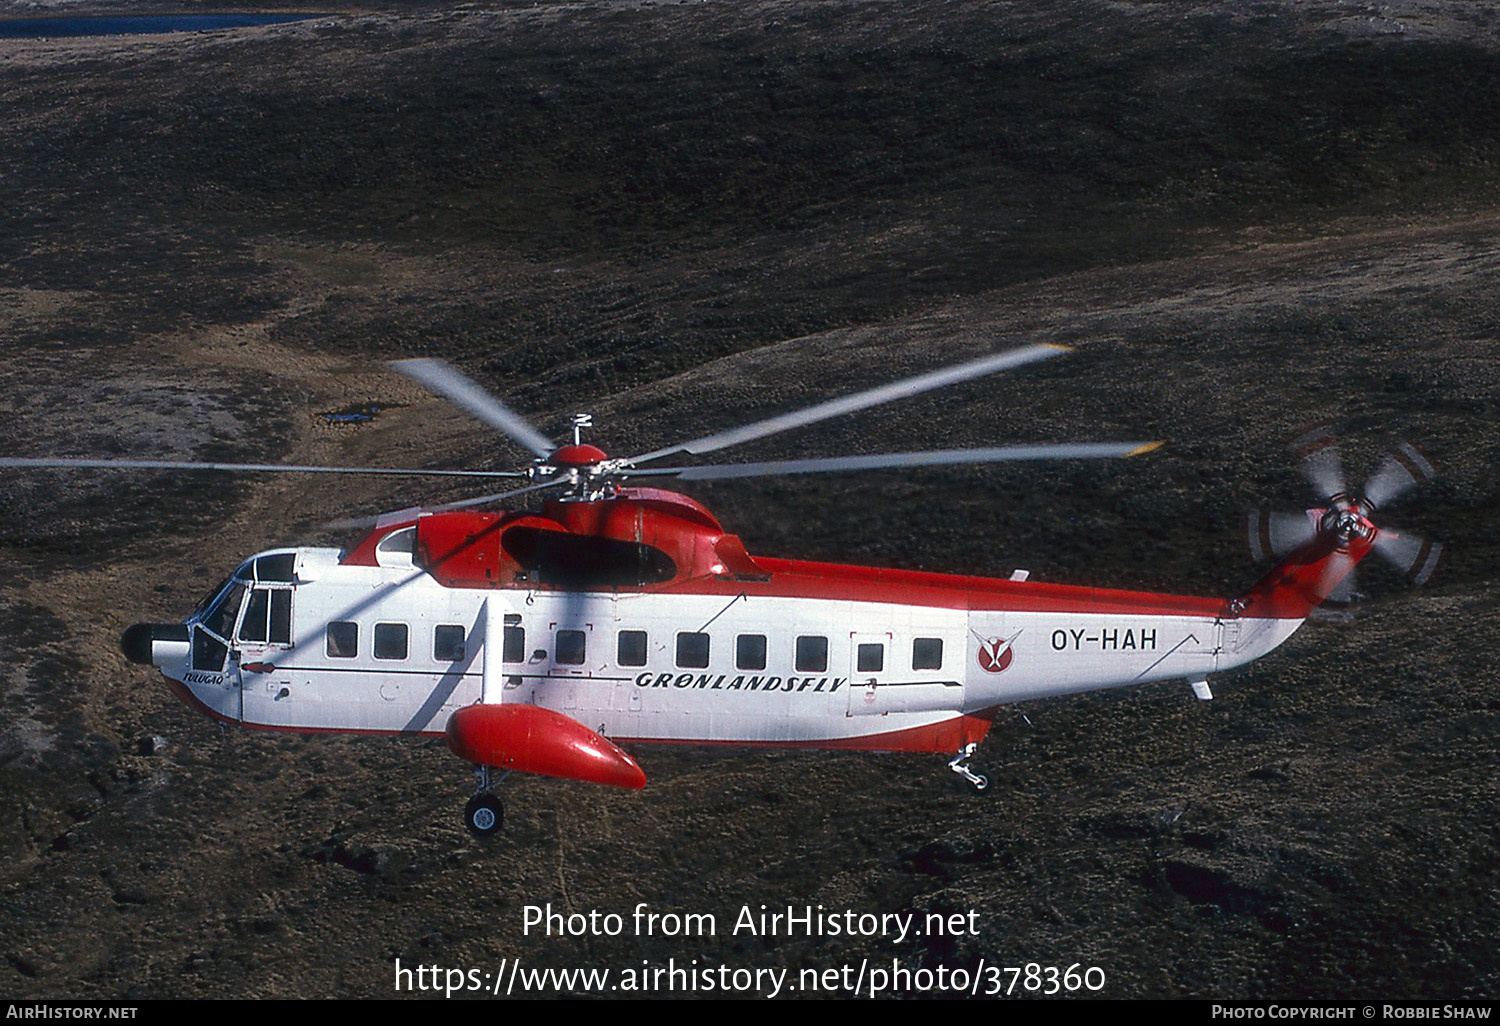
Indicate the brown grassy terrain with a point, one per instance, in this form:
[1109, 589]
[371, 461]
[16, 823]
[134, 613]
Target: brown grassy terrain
[1246, 218]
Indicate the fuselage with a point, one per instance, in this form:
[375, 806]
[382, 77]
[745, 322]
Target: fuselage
[771, 652]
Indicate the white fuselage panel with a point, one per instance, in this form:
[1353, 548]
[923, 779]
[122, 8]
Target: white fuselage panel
[388, 649]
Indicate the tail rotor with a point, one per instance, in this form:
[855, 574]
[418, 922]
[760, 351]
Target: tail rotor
[1403, 469]
[1274, 536]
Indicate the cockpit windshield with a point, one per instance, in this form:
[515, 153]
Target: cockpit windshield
[220, 617]
[221, 608]
[208, 599]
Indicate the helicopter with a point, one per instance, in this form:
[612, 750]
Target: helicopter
[623, 613]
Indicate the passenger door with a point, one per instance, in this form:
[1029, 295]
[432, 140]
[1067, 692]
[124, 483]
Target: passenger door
[887, 677]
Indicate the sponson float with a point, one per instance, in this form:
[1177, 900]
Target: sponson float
[621, 613]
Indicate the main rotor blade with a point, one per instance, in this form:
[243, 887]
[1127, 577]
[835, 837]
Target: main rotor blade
[64, 462]
[882, 461]
[412, 512]
[446, 381]
[1320, 462]
[1412, 554]
[497, 496]
[1402, 469]
[860, 400]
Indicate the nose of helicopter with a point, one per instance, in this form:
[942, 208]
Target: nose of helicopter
[138, 643]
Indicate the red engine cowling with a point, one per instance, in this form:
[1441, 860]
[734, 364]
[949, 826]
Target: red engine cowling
[536, 740]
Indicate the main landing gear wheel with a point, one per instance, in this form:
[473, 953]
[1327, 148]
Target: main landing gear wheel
[484, 815]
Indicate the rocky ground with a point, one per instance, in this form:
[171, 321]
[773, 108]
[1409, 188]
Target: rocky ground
[1245, 217]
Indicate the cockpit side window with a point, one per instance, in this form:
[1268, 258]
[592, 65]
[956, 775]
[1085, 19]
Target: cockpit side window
[268, 616]
[221, 616]
[208, 651]
[254, 626]
[281, 616]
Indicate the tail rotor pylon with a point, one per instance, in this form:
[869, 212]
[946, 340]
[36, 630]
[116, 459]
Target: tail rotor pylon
[1275, 535]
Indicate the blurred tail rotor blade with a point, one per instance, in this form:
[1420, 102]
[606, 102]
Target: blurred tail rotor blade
[446, 381]
[1346, 592]
[1401, 470]
[1274, 536]
[1412, 554]
[882, 461]
[1320, 462]
[861, 400]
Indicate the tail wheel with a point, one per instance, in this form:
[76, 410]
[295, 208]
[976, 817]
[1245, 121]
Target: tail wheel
[484, 815]
[960, 765]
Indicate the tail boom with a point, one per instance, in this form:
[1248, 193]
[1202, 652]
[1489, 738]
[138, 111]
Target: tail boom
[1304, 580]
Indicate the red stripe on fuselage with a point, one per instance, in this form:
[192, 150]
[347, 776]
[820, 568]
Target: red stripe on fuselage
[947, 736]
[800, 579]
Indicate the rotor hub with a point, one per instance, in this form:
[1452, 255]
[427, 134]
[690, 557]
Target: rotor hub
[578, 456]
[588, 471]
[1347, 519]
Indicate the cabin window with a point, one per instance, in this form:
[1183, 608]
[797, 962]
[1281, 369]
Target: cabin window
[632, 651]
[390, 640]
[448, 643]
[870, 658]
[514, 648]
[692, 650]
[750, 652]
[571, 648]
[343, 639]
[812, 654]
[927, 654]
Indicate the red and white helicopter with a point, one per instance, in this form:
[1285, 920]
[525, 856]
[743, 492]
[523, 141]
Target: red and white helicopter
[623, 613]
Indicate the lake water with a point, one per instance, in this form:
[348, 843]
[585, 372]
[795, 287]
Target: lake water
[134, 24]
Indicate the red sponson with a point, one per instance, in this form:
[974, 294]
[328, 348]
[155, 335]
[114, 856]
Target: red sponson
[536, 740]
